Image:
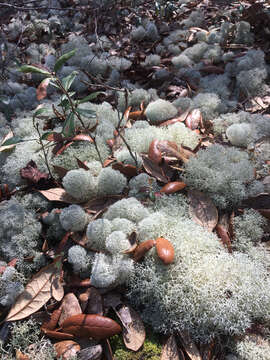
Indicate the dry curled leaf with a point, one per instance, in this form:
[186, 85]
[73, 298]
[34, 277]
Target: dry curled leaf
[58, 194]
[154, 152]
[165, 250]
[142, 249]
[82, 137]
[42, 89]
[66, 349]
[202, 209]
[193, 119]
[95, 302]
[170, 148]
[173, 187]
[92, 353]
[60, 171]
[126, 169]
[70, 306]
[133, 328]
[36, 293]
[81, 164]
[222, 229]
[96, 326]
[170, 350]
[189, 346]
[7, 137]
[155, 170]
[31, 173]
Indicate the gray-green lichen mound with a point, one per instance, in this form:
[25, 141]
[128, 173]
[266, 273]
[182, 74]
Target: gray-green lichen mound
[159, 111]
[19, 231]
[206, 291]
[224, 173]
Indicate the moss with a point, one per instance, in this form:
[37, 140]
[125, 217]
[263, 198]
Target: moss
[151, 349]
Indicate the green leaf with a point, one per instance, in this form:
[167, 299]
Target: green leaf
[40, 111]
[68, 80]
[86, 113]
[12, 141]
[64, 104]
[69, 126]
[33, 69]
[53, 83]
[90, 97]
[60, 62]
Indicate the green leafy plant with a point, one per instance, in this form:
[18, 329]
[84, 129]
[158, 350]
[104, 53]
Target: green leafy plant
[70, 108]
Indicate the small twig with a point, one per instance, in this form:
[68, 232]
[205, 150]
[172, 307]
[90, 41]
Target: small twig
[97, 150]
[21, 8]
[59, 83]
[45, 154]
[134, 157]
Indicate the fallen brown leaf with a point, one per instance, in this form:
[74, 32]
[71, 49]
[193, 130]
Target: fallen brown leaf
[165, 250]
[66, 349]
[96, 326]
[202, 209]
[95, 303]
[70, 306]
[170, 350]
[142, 249]
[189, 346]
[82, 137]
[32, 174]
[92, 352]
[222, 229]
[154, 170]
[61, 171]
[37, 292]
[41, 91]
[58, 194]
[173, 187]
[193, 119]
[133, 328]
[126, 169]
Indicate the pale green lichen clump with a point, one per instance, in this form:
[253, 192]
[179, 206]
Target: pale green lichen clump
[222, 172]
[206, 291]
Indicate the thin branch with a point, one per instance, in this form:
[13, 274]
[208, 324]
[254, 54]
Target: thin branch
[21, 8]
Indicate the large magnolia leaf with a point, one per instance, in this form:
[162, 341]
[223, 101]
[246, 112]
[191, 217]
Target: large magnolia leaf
[37, 292]
[202, 209]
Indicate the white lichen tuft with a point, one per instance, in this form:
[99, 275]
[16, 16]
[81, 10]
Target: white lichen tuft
[73, 218]
[79, 184]
[96, 233]
[111, 182]
[222, 172]
[159, 111]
